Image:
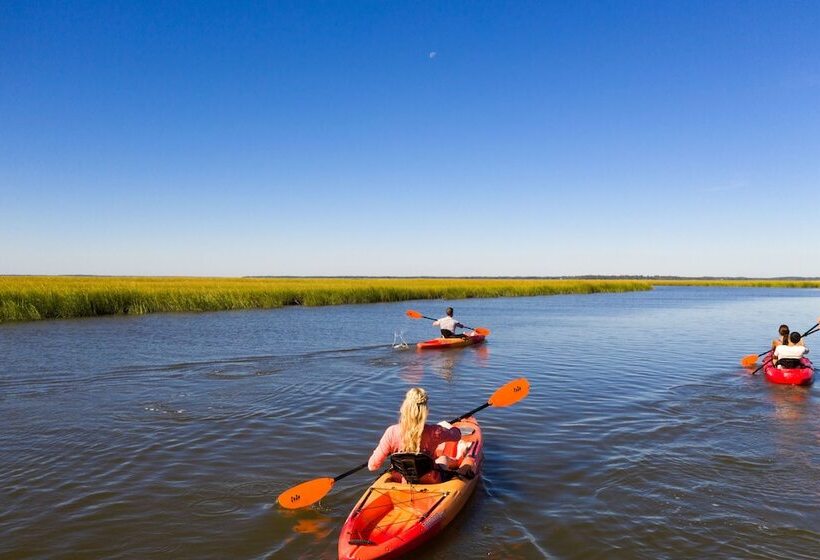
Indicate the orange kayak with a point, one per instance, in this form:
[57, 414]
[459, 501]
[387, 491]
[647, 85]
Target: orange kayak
[393, 518]
[441, 343]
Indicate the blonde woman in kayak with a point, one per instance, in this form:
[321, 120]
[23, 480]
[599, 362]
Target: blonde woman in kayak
[413, 435]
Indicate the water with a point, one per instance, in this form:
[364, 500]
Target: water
[170, 436]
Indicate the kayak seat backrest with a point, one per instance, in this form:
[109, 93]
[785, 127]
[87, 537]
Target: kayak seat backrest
[790, 363]
[412, 466]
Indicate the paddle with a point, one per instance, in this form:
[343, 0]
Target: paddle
[307, 493]
[761, 365]
[416, 315]
[812, 330]
[750, 359]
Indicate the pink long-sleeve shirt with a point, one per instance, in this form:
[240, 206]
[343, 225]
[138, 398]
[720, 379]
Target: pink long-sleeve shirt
[432, 436]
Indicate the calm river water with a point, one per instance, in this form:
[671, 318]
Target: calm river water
[170, 436]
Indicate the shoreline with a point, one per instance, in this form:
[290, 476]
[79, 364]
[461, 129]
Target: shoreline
[32, 298]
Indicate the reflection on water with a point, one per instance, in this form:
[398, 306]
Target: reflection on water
[791, 404]
[320, 527]
[642, 437]
[443, 363]
[413, 373]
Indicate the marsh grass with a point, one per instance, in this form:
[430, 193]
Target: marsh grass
[27, 298]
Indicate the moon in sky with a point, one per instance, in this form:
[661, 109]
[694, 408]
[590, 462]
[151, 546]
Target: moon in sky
[432, 54]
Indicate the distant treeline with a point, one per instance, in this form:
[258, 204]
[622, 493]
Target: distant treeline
[29, 298]
[739, 282]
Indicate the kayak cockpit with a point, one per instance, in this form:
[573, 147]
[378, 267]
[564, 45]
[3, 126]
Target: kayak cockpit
[390, 513]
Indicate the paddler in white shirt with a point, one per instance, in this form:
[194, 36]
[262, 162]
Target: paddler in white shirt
[448, 325]
[788, 355]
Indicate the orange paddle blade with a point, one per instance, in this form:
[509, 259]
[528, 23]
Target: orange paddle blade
[482, 331]
[302, 495]
[749, 360]
[511, 393]
[414, 314]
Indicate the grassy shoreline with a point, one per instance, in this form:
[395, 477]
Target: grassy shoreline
[31, 298]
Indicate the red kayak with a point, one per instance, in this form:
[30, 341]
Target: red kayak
[441, 343]
[790, 376]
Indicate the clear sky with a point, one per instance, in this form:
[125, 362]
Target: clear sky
[410, 138]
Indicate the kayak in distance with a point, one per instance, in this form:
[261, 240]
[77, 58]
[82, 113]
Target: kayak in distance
[790, 376]
[442, 343]
[394, 516]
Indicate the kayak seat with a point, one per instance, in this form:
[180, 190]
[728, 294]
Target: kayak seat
[412, 466]
[789, 363]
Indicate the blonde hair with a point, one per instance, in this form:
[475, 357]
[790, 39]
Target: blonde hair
[413, 416]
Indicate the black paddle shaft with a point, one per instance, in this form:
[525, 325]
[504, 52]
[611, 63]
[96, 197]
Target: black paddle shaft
[473, 411]
[351, 471]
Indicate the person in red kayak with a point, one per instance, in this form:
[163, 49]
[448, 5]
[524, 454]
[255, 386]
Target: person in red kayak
[787, 356]
[783, 331]
[448, 325]
[413, 435]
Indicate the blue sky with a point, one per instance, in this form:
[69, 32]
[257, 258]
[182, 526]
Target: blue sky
[423, 138]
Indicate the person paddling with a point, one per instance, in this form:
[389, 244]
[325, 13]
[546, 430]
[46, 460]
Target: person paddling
[413, 435]
[787, 356]
[448, 325]
[783, 331]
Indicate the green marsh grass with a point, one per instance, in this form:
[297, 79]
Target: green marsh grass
[27, 298]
